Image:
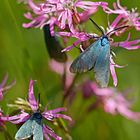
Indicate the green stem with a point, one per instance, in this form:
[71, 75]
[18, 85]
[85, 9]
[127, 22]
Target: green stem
[68, 91]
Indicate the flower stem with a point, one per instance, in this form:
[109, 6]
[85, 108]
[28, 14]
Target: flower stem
[68, 91]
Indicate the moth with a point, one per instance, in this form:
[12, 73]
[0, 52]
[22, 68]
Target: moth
[32, 127]
[53, 46]
[96, 57]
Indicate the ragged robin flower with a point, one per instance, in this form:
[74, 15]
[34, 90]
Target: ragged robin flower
[49, 115]
[124, 17]
[112, 101]
[63, 13]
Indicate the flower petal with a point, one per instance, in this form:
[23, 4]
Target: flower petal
[129, 45]
[31, 97]
[48, 131]
[19, 118]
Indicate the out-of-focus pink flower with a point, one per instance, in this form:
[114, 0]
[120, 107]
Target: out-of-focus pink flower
[90, 88]
[3, 87]
[62, 68]
[124, 16]
[63, 11]
[86, 89]
[47, 114]
[114, 102]
[129, 45]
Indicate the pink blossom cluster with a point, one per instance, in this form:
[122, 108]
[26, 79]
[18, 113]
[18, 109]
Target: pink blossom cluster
[69, 15]
[62, 13]
[49, 115]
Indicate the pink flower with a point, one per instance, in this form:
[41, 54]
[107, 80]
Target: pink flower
[125, 17]
[86, 89]
[118, 104]
[114, 102]
[63, 12]
[47, 114]
[3, 87]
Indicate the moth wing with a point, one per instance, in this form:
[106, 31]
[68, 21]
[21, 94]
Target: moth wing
[53, 46]
[38, 131]
[86, 60]
[102, 66]
[25, 131]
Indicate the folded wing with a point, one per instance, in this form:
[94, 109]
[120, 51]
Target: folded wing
[25, 131]
[86, 60]
[102, 66]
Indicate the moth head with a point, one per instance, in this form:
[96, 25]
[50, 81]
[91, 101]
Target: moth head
[37, 115]
[104, 40]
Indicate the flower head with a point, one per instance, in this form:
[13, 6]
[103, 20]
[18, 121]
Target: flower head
[49, 115]
[125, 17]
[113, 102]
[61, 13]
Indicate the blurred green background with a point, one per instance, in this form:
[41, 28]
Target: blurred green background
[23, 56]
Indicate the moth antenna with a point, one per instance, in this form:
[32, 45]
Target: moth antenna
[117, 29]
[98, 27]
